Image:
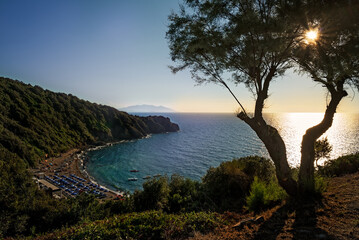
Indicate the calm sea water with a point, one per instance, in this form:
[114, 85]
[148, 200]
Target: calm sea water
[206, 140]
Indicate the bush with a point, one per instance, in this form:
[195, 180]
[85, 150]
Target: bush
[254, 166]
[154, 195]
[184, 194]
[144, 225]
[321, 184]
[227, 185]
[340, 166]
[17, 194]
[263, 194]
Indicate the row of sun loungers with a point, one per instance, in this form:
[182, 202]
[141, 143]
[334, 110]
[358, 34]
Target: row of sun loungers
[75, 185]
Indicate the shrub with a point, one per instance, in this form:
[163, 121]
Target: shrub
[144, 225]
[154, 195]
[227, 185]
[340, 166]
[262, 194]
[184, 194]
[260, 167]
[321, 184]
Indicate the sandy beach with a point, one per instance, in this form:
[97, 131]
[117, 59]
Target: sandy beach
[68, 163]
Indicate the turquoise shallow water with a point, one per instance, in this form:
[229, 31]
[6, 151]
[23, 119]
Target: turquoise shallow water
[206, 140]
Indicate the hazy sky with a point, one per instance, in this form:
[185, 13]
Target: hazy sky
[115, 53]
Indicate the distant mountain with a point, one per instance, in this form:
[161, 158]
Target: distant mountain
[146, 108]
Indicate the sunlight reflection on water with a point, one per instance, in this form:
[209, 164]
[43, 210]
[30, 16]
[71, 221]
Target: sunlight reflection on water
[292, 126]
[206, 140]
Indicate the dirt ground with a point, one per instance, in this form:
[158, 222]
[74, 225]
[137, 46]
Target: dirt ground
[65, 163]
[335, 216]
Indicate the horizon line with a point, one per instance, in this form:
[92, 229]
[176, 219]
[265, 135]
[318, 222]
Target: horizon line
[248, 112]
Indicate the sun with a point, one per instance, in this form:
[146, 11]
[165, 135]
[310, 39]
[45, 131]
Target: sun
[311, 36]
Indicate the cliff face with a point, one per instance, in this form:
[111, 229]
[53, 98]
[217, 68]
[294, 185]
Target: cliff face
[35, 122]
[159, 124]
[125, 126]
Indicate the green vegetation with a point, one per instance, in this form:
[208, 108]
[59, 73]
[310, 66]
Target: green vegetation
[30, 211]
[223, 188]
[252, 43]
[227, 185]
[175, 195]
[263, 194]
[36, 122]
[165, 208]
[17, 193]
[340, 166]
[145, 225]
[322, 149]
[321, 184]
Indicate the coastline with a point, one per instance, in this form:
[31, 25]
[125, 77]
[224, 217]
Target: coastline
[82, 162]
[73, 162]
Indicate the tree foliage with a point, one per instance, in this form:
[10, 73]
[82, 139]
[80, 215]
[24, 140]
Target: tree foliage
[333, 59]
[322, 149]
[35, 123]
[248, 40]
[253, 42]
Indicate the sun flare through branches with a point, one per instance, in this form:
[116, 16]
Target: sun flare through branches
[311, 36]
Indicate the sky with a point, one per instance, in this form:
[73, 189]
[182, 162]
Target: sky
[115, 53]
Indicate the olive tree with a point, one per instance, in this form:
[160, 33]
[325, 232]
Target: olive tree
[247, 40]
[331, 58]
[253, 42]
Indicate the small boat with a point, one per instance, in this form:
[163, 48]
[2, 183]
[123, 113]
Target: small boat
[146, 177]
[157, 175]
[132, 179]
[134, 170]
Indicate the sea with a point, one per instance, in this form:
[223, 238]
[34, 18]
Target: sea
[204, 141]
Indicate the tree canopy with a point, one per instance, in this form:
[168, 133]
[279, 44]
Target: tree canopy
[253, 42]
[248, 40]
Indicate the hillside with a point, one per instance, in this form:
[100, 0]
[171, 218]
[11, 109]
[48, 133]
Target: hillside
[334, 217]
[35, 122]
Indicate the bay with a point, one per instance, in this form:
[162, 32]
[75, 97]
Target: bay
[206, 140]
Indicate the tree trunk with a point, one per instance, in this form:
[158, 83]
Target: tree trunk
[306, 184]
[276, 149]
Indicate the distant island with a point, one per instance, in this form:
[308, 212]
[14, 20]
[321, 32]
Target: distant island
[146, 108]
